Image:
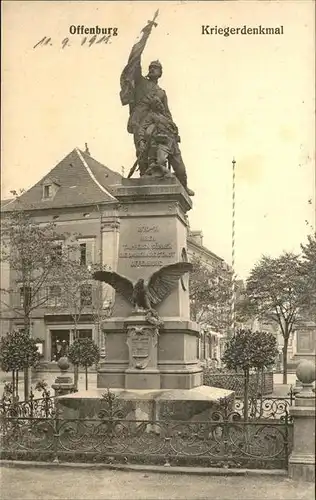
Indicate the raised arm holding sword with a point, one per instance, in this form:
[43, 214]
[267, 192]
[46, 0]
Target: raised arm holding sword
[141, 93]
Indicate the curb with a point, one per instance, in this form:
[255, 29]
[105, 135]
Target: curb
[196, 471]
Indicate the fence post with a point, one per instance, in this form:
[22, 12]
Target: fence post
[292, 393]
[302, 458]
[63, 383]
[298, 387]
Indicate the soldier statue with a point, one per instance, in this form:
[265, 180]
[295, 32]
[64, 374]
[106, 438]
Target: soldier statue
[150, 121]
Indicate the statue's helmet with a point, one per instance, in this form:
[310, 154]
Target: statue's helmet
[155, 65]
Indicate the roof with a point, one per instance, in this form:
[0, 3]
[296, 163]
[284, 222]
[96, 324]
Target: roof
[103, 174]
[79, 179]
[6, 202]
[203, 249]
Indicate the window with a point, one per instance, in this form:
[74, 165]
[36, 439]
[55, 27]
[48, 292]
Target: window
[48, 191]
[22, 297]
[83, 254]
[86, 295]
[49, 188]
[25, 296]
[86, 251]
[84, 334]
[54, 296]
[57, 252]
[40, 348]
[60, 340]
[19, 329]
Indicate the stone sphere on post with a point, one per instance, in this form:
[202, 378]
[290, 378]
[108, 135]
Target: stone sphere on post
[63, 364]
[306, 372]
[63, 383]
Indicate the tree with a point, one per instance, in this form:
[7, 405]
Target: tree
[274, 292]
[49, 270]
[308, 270]
[33, 253]
[84, 352]
[79, 294]
[210, 292]
[248, 350]
[17, 352]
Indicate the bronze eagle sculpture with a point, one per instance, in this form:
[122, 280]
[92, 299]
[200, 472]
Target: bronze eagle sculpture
[146, 294]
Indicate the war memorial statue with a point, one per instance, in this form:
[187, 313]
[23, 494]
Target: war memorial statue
[151, 344]
[156, 136]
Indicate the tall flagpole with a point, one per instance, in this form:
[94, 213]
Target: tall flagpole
[233, 284]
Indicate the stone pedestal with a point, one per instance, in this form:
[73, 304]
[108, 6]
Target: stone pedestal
[153, 233]
[151, 364]
[305, 342]
[302, 459]
[142, 356]
[63, 384]
[196, 404]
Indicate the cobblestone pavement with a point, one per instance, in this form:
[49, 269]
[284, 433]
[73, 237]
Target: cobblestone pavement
[90, 484]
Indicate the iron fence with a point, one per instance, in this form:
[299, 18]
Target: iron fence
[265, 408]
[207, 443]
[258, 408]
[10, 406]
[225, 440]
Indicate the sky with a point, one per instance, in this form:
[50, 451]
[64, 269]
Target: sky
[248, 97]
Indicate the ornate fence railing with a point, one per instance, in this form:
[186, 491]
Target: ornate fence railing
[36, 408]
[33, 408]
[265, 408]
[258, 408]
[225, 440]
[209, 443]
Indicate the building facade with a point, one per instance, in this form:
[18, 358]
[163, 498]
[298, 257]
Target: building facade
[211, 342]
[76, 195]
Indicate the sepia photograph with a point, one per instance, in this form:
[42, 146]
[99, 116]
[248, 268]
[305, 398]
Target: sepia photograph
[158, 250]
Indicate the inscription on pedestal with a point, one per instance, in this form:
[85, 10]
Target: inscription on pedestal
[149, 248]
[141, 341]
[140, 345]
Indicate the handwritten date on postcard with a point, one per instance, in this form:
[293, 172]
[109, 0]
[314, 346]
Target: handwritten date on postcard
[47, 41]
